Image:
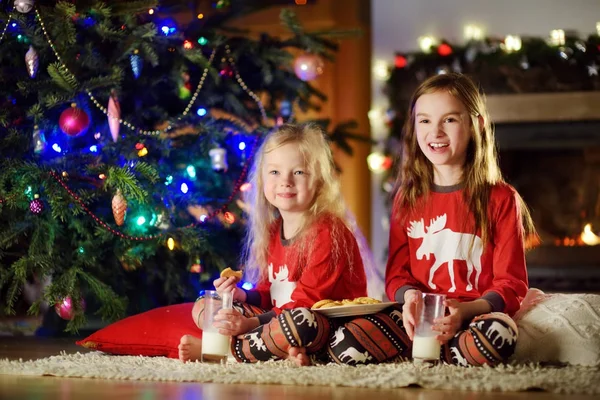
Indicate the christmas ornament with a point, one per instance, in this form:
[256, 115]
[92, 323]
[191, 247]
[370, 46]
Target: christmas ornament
[39, 140]
[36, 206]
[226, 71]
[444, 50]
[130, 264]
[32, 62]
[308, 66]
[136, 64]
[74, 121]
[218, 159]
[285, 108]
[185, 87]
[65, 309]
[593, 69]
[400, 61]
[23, 6]
[119, 208]
[114, 115]
[196, 265]
[221, 4]
[162, 221]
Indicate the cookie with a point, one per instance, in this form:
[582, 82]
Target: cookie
[227, 272]
[321, 303]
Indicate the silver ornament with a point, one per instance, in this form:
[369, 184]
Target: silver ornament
[218, 159]
[32, 61]
[23, 6]
[39, 140]
[136, 65]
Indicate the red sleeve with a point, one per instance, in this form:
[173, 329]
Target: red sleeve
[263, 289]
[397, 271]
[510, 272]
[321, 280]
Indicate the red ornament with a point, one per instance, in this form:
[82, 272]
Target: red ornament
[65, 310]
[226, 71]
[444, 49]
[36, 206]
[400, 61]
[74, 121]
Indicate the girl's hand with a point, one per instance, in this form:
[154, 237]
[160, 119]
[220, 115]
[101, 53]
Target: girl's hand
[223, 285]
[449, 325]
[231, 322]
[412, 299]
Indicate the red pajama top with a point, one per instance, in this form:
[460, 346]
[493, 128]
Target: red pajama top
[429, 250]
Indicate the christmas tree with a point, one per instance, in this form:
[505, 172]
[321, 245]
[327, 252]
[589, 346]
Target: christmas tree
[126, 136]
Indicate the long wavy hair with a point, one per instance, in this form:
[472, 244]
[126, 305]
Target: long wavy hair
[480, 171]
[327, 202]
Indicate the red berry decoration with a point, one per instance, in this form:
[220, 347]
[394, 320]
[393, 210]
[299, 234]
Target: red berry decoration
[36, 206]
[400, 61]
[444, 50]
[74, 121]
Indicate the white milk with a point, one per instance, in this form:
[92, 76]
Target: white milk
[426, 348]
[215, 347]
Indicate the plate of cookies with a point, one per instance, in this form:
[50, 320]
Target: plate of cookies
[350, 307]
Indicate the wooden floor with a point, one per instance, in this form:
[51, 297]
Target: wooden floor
[41, 388]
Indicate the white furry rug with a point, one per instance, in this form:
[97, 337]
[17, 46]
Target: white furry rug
[568, 379]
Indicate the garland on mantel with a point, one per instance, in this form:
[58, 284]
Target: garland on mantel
[532, 64]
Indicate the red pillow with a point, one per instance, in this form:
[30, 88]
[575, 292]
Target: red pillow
[151, 333]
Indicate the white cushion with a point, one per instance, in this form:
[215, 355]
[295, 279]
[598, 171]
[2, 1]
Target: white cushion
[559, 327]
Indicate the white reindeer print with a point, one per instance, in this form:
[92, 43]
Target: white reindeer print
[305, 316]
[505, 334]
[479, 324]
[351, 354]
[396, 316]
[460, 360]
[338, 336]
[447, 246]
[281, 288]
[255, 341]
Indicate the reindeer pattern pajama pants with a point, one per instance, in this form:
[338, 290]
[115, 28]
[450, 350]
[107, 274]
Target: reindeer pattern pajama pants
[488, 339]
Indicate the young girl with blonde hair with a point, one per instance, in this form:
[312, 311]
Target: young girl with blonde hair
[300, 248]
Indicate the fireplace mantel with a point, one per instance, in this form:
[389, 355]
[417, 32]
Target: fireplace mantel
[544, 107]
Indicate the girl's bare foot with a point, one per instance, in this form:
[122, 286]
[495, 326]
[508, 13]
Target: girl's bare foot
[190, 348]
[298, 355]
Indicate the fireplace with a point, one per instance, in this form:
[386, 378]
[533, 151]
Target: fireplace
[553, 160]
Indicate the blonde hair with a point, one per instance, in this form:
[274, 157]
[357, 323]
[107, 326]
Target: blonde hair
[480, 171]
[327, 202]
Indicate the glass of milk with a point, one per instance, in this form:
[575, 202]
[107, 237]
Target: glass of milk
[215, 347]
[426, 348]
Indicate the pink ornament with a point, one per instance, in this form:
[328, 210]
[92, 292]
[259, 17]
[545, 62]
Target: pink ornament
[74, 121]
[226, 71]
[36, 206]
[65, 310]
[114, 115]
[308, 66]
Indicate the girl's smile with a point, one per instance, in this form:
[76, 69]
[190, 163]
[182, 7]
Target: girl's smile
[442, 127]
